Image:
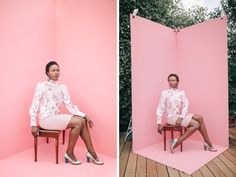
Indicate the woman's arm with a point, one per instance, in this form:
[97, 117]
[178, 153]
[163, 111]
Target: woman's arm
[161, 107]
[35, 104]
[185, 105]
[160, 110]
[69, 106]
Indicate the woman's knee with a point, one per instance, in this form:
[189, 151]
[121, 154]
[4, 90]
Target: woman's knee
[198, 118]
[77, 121]
[195, 124]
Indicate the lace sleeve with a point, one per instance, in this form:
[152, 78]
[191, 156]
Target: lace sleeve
[69, 106]
[161, 107]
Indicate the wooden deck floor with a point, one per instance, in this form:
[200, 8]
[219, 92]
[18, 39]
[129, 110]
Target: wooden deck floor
[133, 165]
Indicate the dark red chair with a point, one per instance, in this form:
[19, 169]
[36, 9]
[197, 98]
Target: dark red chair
[172, 129]
[48, 134]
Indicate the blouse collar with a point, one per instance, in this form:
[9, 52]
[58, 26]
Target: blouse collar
[173, 89]
[52, 81]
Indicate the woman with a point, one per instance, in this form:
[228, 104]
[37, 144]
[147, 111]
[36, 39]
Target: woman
[175, 104]
[47, 101]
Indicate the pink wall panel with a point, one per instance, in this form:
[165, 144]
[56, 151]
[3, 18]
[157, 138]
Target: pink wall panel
[199, 55]
[202, 66]
[86, 51]
[27, 41]
[153, 58]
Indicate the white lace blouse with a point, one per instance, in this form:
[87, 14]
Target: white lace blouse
[173, 102]
[47, 101]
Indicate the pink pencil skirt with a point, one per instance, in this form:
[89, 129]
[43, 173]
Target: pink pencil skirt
[55, 122]
[185, 122]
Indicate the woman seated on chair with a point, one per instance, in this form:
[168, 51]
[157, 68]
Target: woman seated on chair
[175, 104]
[47, 99]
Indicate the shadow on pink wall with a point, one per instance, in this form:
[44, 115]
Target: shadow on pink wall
[198, 54]
[83, 43]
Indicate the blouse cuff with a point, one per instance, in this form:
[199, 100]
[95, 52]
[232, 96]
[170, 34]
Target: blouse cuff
[81, 114]
[158, 120]
[33, 122]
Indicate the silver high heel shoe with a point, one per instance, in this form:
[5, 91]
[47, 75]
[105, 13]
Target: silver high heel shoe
[68, 159]
[172, 145]
[96, 161]
[207, 147]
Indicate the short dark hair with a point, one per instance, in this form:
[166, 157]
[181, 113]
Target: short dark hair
[49, 65]
[174, 75]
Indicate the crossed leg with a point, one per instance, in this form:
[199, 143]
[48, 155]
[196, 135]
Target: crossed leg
[85, 135]
[197, 123]
[78, 127]
[192, 127]
[202, 128]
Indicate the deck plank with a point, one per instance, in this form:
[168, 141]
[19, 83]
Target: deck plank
[131, 165]
[124, 157]
[151, 168]
[141, 170]
[161, 170]
[206, 171]
[215, 169]
[197, 174]
[228, 163]
[173, 172]
[225, 169]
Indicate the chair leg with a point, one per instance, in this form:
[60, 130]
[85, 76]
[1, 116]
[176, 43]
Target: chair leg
[35, 148]
[172, 135]
[63, 137]
[164, 140]
[47, 140]
[57, 147]
[181, 145]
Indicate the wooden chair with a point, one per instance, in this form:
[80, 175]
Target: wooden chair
[172, 128]
[48, 134]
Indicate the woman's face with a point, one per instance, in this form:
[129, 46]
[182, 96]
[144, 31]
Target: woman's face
[173, 83]
[54, 72]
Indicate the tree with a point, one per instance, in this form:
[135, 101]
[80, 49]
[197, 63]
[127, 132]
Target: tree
[229, 7]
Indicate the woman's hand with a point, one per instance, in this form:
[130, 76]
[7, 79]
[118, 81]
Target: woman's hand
[35, 131]
[90, 122]
[178, 122]
[160, 128]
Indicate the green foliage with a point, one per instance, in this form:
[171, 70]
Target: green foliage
[167, 12]
[229, 7]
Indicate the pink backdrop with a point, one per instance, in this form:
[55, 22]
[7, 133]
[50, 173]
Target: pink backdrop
[84, 44]
[27, 42]
[203, 70]
[199, 55]
[86, 51]
[147, 75]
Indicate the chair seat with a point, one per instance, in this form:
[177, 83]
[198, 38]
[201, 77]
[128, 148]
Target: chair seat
[53, 131]
[172, 127]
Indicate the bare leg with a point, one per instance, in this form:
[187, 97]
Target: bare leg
[202, 128]
[85, 135]
[76, 126]
[193, 126]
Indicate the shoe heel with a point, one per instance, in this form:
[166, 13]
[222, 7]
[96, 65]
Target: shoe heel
[88, 159]
[66, 160]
